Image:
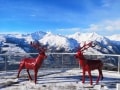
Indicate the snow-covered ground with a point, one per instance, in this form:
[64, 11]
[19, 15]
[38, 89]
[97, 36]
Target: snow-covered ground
[57, 79]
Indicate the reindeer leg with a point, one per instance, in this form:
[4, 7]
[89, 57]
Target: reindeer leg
[83, 77]
[30, 78]
[20, 68]
[100, 75]
[89, 72]
[35, 75]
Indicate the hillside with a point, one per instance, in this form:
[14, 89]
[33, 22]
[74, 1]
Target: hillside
[59, 43]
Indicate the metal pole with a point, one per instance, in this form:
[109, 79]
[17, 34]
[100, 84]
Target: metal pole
[5, 63]
[62, 61]
[119, 64]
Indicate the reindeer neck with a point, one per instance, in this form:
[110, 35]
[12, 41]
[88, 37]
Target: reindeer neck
[82, 59]
[40, 57]
[81, 56]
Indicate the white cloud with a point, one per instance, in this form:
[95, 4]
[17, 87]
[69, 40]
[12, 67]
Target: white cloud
[112, 25]
[108, 25]
[68, 30]
[94, 27]
[106, 3]
[71, 29]
[4, 31]
[32, 15]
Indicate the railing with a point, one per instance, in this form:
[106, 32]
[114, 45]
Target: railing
[59, 60]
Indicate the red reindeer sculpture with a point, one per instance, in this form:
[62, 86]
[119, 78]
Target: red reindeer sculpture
[33, 63]
[89, 65]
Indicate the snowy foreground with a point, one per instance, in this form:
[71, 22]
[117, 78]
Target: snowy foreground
[57, 80]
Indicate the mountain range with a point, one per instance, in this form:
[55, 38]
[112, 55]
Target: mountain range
[20, 43]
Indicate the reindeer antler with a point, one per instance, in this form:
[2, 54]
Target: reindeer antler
[38, 46]
[86, 46]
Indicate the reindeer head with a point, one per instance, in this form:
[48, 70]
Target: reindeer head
[84, 47]
[39, 47]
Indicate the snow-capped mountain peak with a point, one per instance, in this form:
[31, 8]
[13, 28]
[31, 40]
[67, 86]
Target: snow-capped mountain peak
[59, 41]
[81, 37]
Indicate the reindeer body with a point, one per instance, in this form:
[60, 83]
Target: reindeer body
[89, 65]
[32, 64]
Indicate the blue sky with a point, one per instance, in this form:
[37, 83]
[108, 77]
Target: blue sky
[60, 16]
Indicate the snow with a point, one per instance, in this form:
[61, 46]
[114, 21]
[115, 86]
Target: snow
[115, 37]
[2, 38]
[12, 49]
[57, 79]
[81, 37]
[59, 41]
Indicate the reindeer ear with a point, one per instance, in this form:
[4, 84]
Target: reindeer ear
[31, 43]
